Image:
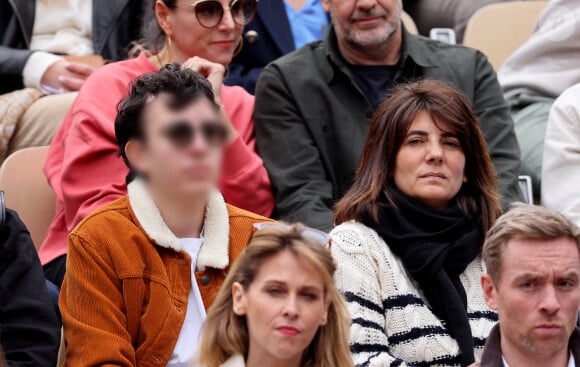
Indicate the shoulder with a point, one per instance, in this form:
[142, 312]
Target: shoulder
[354, 236]
[303, 59]
[100, 224]
[116, 76]
[241, 221]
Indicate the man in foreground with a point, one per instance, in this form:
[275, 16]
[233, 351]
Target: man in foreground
[533, 282]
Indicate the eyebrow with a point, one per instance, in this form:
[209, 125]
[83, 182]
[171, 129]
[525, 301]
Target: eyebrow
[303, 288]
[445, 134]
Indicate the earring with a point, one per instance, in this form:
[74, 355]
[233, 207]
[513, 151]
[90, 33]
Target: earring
[168, 47]
[239, 48]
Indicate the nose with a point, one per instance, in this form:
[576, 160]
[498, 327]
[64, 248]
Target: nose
[434, 152]
[198, 143]
[227, 23]
[291, 307]
[366, 4]
[550, 303]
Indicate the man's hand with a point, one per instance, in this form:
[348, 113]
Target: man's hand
[66, 76]
[213, 72]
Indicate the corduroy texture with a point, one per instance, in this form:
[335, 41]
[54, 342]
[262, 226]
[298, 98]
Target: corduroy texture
[124, 298]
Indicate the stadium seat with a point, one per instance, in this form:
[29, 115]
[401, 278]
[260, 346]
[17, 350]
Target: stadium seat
[409, 23]
[499, 29]
[27, 191]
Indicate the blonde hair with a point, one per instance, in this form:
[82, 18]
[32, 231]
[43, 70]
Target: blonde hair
[524, 222]
[226, 334]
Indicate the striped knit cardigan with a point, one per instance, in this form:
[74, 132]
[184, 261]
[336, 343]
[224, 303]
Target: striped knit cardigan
[392, 324]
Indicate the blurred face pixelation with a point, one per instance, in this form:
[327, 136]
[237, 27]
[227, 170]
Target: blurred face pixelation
[216, 44]
[536, 296]
[365, 23]
[188, 170]
[284, 307]
[430, 164]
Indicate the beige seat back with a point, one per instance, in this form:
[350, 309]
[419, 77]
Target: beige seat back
[27, 191]
[499, 29]
[409, 23]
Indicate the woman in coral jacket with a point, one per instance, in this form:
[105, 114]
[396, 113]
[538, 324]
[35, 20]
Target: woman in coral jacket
[83, 165]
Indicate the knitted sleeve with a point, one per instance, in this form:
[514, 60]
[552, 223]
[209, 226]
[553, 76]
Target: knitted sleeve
[358, 278]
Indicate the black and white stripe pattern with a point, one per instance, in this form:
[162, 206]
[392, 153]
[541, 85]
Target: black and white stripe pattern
[392, 324]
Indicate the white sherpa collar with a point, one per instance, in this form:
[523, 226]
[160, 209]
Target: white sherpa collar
[214, 252]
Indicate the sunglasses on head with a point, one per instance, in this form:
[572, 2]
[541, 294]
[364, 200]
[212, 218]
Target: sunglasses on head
[181, 133]
[315, 235]
[209, 13]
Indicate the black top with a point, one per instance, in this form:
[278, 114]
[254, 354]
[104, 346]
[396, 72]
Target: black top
[29, 329]
[375, 81]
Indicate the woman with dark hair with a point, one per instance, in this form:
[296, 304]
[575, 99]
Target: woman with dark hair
[410, 231]
[83, 165]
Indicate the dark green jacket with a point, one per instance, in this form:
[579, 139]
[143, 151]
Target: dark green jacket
[311, 120]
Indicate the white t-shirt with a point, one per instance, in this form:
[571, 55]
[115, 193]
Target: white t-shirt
[187, 344]
[571, 361]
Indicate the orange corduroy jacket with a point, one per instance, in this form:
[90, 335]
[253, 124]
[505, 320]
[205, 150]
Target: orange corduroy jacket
[125, 295]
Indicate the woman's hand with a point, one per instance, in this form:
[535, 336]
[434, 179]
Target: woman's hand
[213, 72]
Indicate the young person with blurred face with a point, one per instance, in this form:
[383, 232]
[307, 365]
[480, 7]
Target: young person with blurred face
[410, 231]
[143, 269]
[313, 106]
[279, 305]
[83, 167]
[533, 282]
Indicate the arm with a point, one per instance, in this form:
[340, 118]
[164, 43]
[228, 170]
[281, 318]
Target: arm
[12, 63]
[561, 168]
[30, 332]
[358, 279]
[498, 130]
[93, 174]
[93, 309]
[244, 182]
[303, 192]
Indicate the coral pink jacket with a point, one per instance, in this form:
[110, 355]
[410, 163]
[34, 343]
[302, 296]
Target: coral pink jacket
[86, 171]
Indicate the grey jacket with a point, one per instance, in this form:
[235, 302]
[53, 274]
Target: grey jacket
[492, 355]
[311, 120]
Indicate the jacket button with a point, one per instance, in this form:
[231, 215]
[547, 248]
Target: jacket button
[205, 280]
[252, 36]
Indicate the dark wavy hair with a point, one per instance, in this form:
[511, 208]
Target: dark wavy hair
[183, 86]
[388, 128]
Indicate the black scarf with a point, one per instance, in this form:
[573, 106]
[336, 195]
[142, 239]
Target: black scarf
[435, 247]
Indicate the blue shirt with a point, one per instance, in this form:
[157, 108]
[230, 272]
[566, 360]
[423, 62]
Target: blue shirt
[309, 24]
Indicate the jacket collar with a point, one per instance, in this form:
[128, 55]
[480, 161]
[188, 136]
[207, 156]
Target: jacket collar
[24, 10]
[235, 361]
[214, 252]
[413, 53]
[492, 354]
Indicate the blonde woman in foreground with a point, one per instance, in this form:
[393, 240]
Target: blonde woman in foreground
[278, 305]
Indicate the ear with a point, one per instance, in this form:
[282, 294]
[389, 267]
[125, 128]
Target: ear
[134, 151]
[240, 299]
[489, 291]
[324, 319]
[326, 5]
[163, 15]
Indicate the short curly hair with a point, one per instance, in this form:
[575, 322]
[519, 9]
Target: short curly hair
[183, 86]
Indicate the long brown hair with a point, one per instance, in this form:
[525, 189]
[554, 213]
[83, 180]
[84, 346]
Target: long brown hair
[388, 128]
[226, 334]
